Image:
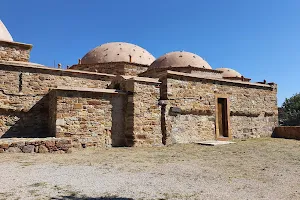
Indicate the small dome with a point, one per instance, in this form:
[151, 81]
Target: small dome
[4, 34]
[229, 73]
[118, 52]
[180, 59]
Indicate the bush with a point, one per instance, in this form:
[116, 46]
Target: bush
[290, 115]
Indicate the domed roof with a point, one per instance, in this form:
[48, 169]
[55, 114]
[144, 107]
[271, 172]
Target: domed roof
[180, 59]
[4, 34]
[118, 52]
[229, 73]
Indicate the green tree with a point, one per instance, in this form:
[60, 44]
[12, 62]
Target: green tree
[291, 111]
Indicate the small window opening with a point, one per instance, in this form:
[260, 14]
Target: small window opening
[117, 86]
[20, 82]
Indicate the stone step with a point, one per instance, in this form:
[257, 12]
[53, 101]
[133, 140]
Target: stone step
[215, 142]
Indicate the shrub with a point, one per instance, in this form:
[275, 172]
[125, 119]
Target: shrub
[290, 115]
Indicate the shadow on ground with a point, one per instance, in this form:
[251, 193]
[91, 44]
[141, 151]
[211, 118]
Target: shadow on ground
[90, 198]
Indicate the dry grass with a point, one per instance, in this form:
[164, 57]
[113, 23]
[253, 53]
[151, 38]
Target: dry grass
[265, 152]
[265, 161]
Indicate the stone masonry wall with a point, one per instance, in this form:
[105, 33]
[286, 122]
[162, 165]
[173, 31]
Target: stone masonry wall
[88, 118]
[24, 101]
[13, 51]
[142, 114]
[134, 70]
[120, 68]
[35, 145]
[190, 109]
[205, 73]
[107, 68]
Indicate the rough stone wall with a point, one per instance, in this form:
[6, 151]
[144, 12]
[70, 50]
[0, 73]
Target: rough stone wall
[205, 73]
[35, 145]
[134, 70]
[23, 115]
[24, 101]
[119, 68]
[252, 126]
[253, 110]
[12, 51]
[142, 114]
[52, 112]
[107, 68]
[89, 118]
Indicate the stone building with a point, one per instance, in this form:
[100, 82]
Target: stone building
[118, 94]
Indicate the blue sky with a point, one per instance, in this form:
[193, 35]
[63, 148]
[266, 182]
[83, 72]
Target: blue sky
[258, 38]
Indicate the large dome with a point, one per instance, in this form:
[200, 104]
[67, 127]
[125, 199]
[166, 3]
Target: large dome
[118, 52]
[229, 73]
[4, 34]
[180, 59]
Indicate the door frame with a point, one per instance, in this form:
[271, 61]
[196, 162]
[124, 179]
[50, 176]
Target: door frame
[223, 96]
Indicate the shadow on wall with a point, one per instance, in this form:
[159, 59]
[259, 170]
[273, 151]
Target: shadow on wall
[118, 122]
[34, 123]
[128, 139]
[129, 122]
[30, 124]
[89, 198]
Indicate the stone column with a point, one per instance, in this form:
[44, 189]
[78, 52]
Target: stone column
[143, 113]
[14, 51]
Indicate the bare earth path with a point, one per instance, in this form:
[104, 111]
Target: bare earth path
[252, 169]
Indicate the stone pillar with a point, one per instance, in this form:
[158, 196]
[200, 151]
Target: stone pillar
[143, 113]
[14, 51]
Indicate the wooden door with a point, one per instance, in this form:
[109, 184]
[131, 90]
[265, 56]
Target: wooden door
[222, 117]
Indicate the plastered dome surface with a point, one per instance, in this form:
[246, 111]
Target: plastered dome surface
[4, 34]
[229, 73]
[118, 52]
[180, 59]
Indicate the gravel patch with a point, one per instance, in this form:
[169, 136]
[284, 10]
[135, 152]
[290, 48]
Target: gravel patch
[252, 169]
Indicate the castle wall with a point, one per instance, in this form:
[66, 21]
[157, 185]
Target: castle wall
[24, 99]
[89, 118]
[190, 111]
[14, 51]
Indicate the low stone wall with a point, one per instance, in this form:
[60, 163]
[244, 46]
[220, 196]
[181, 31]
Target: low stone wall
[288, 132]
[14, 51]
[204, 73]
[35, 145]
[117, 68]
[108, 68]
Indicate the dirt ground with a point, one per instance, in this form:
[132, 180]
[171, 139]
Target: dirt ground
[254, 169]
